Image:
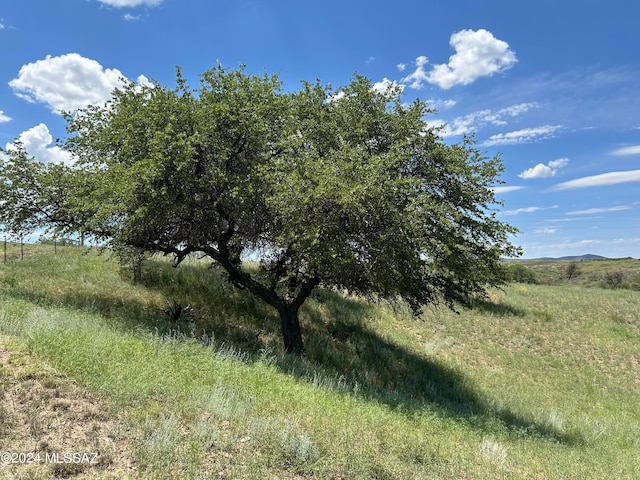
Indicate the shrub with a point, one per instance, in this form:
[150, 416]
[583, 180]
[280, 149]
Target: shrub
[613, 279]
[572, 270]
[519, 273]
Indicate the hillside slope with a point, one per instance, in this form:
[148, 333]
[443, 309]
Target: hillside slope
[538, 382]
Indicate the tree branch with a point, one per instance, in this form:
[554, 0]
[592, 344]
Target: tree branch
[304, 292]
[242, 279]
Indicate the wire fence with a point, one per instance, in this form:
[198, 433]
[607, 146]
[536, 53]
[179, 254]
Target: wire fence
[5, 250]
[18, 249]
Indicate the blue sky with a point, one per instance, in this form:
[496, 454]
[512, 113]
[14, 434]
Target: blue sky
[551, 85]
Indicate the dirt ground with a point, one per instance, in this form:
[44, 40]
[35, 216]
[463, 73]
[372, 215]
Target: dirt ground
[52, 428]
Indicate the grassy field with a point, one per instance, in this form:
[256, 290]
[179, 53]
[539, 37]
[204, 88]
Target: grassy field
[541, 381]
[620, 273]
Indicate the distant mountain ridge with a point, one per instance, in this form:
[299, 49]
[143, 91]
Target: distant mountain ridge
[588, 256]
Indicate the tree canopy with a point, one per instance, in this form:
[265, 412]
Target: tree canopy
[348, 188]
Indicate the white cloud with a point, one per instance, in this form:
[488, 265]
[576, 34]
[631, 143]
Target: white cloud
[337, 96]
[545, 231]
[522, 210]
[633, 150]
[4, 118]
[539, 171]
[591, 211]
[143, 81]
[131, 3]
[461, 126]
[517, 109]
[525, 135]
[474, 121]
[544, 171]
[131, 18]
[506, 189]
[418, 78]
[567, 220]
[36, 142]
[402, 67]
[385, 84]
[559, 163]
[67, 82]
[478, 54]
[604, 179]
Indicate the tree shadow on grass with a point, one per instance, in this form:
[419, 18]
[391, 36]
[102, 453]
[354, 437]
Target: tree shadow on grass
[342, 352]
[218, 309]
[499, 309]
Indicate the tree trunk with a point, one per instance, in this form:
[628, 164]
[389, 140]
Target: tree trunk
[291, 333]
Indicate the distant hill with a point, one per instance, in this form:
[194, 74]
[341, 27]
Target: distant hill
[575, 258]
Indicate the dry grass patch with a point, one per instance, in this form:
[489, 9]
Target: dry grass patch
[45, 417]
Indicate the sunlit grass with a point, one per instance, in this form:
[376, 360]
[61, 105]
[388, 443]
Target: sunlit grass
[539, 382]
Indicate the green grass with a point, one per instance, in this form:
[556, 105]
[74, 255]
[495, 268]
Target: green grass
[622, 273]
[541, 381]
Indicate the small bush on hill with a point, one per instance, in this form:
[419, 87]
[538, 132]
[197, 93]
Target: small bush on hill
[613, 279]
[519, 273]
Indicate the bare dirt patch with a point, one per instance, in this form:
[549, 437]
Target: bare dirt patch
[50, 427]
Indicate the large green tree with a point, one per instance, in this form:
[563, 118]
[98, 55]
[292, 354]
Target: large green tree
[348, 187]
[35, 194]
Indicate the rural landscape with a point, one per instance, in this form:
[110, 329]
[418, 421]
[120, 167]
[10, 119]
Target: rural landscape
[180, 375]
[319, 240]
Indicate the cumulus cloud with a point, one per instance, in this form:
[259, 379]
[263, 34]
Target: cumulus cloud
[525, 135]
[602, 180]
[633, 150]
[37, 141]
[418, 78]
[385, 85]
[544, 171]
[67, 82]
[539, 171]
[477, 54]
[3, 117]
[143, 81]
[131, 3]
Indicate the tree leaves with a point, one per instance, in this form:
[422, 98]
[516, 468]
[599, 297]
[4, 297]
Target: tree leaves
[349, 187]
